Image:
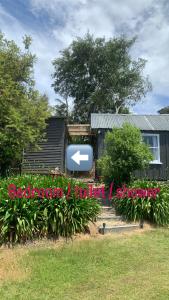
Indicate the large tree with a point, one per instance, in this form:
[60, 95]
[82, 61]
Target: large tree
[100, 76]
[23, 109]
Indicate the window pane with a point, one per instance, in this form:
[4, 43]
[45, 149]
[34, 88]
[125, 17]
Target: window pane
[151, 140]
[155, 152]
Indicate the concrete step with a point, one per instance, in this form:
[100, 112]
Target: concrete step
[118, 228]
[110, 222]
[113, 223]
[107, 217]
[108, 209]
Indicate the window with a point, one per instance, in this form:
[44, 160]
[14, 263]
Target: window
[153, 141]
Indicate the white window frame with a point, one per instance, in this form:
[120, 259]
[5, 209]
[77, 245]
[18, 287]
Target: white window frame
[158, 147]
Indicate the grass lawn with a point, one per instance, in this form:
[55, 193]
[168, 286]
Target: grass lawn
[118, 267]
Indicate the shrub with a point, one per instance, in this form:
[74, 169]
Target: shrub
[22, 219]
[155, 210]
[124, 153]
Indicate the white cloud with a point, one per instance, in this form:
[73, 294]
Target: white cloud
[10, 26]
[151, 105]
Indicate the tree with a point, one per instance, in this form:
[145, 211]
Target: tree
[100, 76]
[164, 110]
[62, 109]
[124, 153]
[22, 109]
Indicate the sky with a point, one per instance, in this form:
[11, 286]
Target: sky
[53, 24]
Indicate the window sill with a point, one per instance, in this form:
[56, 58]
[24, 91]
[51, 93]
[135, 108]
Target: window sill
[155, 163]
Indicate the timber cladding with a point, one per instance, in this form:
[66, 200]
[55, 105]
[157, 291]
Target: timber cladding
[52, 150]
[158, 171]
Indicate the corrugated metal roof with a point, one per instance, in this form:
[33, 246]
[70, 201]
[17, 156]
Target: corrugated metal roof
[143, 122]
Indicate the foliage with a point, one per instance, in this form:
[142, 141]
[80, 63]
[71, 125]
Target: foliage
[124, 153]
[100, 76]
[155, 210]
[83, 139]
[164, 110]
[22, 219]
[62, 110]
[22, 109]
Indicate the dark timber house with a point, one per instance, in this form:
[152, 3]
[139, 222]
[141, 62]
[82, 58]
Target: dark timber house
[155, 131]
[154, 128]
[52, 150]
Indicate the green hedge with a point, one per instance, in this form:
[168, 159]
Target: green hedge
[155, 210]
[23, 219]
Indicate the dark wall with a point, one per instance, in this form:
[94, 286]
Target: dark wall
[155, 171]
[52, 152]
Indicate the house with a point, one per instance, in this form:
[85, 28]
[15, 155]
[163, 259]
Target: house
[155, 131]
[154, 128]
[52, 150]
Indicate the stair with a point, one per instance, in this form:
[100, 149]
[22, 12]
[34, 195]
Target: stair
[106, 209]
[109, 217]
[109, 222]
